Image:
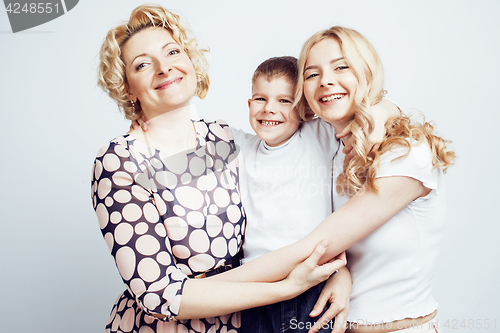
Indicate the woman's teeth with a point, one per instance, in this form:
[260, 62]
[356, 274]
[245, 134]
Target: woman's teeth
[269, 123]
[333, 97]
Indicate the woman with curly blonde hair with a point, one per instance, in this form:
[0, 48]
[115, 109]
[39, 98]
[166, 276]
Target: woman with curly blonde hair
[398, 185]
[167, 200]
[390, 199]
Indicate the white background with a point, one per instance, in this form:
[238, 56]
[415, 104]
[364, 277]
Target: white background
[441, 57]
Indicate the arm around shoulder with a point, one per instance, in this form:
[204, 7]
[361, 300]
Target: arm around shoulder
[347, 226]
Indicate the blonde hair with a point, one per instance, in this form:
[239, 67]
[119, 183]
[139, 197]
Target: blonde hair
[401, 131]
[363, 60]
[112, 76]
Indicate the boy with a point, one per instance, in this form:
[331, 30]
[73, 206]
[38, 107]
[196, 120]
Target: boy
[287, 169]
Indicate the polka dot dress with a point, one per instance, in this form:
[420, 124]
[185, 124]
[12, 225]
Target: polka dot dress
[166, 217]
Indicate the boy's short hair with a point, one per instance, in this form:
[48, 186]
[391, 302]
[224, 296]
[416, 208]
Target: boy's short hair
[276, 67]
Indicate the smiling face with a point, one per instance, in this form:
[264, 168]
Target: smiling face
[271, 114]
[159, 72]
[329, 84]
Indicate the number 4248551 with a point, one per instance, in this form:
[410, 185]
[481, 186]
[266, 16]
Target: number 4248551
[15, 8]
[478, 324]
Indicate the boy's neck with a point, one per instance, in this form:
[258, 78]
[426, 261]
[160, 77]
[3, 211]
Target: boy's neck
[282, 143]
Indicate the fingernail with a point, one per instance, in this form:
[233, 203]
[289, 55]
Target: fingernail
[324, 243]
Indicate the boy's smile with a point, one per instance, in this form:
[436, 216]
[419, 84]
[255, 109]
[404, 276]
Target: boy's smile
[271, 114]
[269, 123]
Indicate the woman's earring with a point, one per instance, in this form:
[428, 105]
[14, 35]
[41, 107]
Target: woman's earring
[133, 105]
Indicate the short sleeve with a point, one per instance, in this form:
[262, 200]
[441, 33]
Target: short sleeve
[242, 139]
[416, 164]
[244, 143]
[324, 133]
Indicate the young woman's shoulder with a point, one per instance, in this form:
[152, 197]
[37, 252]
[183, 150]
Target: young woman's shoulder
[418, 152]
[414, 161]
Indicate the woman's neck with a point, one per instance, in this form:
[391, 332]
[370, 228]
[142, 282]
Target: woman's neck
[339, 125]
[171, 132]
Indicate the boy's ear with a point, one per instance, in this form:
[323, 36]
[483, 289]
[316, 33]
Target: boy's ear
[249, 101]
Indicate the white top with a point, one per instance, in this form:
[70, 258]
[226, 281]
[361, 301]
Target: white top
[288, 187]
[392, 269]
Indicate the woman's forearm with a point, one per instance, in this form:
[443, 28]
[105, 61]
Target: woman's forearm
[360, 216]
[203, 298]
[210, 297]
[273, 266]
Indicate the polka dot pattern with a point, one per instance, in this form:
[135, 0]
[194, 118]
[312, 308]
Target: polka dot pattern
[165, 217]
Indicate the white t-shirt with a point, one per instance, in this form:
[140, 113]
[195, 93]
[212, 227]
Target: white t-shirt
[288, 188]
[392, 268]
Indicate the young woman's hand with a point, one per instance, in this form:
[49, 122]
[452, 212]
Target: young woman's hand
[337, 291]
[308, 273]
[141, 122]
[348, 141]
[380, 112]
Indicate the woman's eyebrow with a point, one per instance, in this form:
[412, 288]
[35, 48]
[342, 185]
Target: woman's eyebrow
[331, 62]
[164, 46]
[335, 60]
[145, 54]
[140, 55]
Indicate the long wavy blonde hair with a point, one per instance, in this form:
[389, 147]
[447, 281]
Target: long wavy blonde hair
[112, 77]
[400, 131]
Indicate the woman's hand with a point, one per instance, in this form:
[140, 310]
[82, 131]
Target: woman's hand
[348, 140]
[380, 112]
[141, 122]
[307, 274]
[337, 291]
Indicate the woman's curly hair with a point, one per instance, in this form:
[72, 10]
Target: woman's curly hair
[112, 76]
[400, 131]
[366, 65]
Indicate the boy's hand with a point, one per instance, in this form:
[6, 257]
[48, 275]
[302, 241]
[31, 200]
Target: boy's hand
[308, 273]
[337, 291]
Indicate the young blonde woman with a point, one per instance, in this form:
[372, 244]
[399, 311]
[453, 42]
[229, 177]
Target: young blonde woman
[389, 201]
[167, 200]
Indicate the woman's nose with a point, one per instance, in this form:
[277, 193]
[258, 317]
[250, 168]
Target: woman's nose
[328, 80]
[163, 67]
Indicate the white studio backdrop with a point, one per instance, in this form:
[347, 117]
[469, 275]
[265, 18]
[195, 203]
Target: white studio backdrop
[440, 57]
